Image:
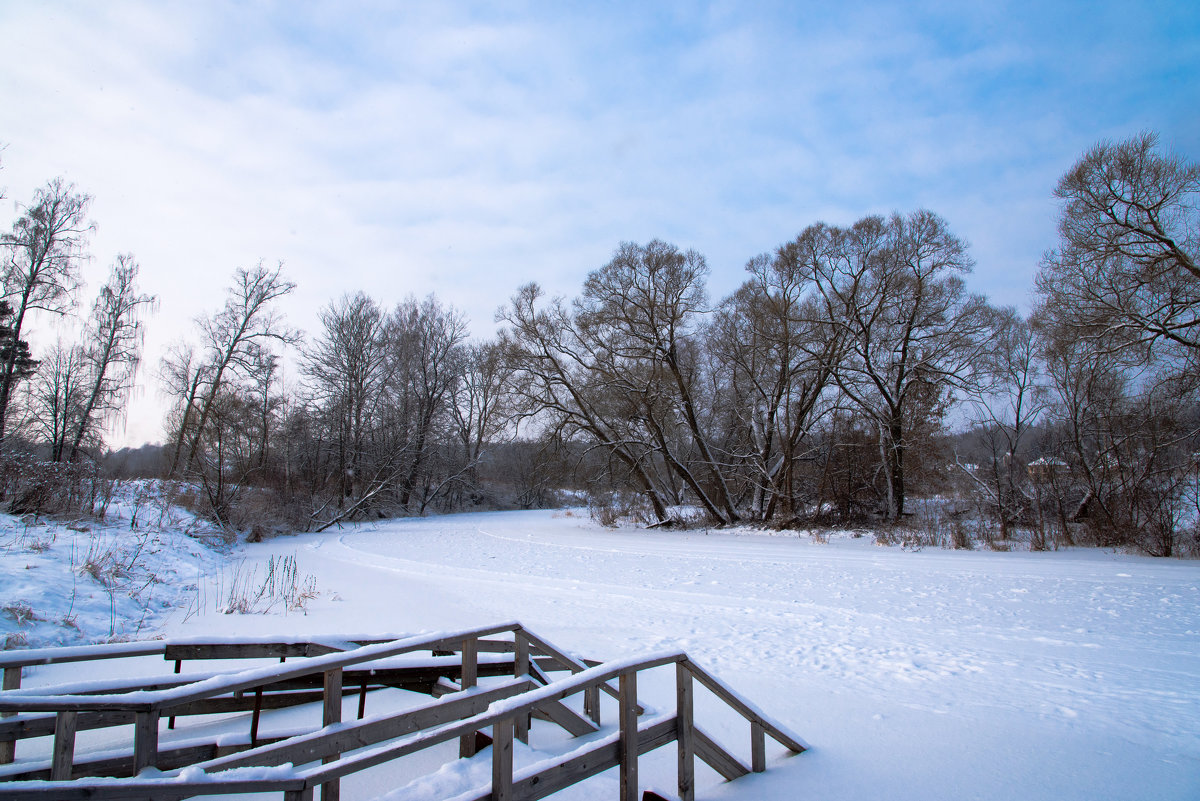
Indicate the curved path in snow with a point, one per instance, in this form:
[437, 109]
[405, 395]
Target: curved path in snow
[974, 674]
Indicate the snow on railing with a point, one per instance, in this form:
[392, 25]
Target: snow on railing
[344, 749]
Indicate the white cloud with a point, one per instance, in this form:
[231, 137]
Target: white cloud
[466, 150]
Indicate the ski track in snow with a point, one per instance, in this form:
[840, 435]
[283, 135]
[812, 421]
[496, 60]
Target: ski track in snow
[1076, 632]
[914, 676]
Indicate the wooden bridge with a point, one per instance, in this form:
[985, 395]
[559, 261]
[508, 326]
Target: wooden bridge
[447, 666]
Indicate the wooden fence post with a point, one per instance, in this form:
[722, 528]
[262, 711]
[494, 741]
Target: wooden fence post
[64, 746]
[255, 716]
[145, 740]
[470, 677]
[12, 681]
[591, 704]
[685, 735]
[332, 713]
[758, 747]
[502, 760]
[521, 668]
[627, 746]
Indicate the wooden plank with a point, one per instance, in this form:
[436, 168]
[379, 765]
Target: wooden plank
[537, 697]
[591, 704]
[311, 747]
[64, 747]
[255, 716]
[470, 677]
[758, 747]
[572, 664]
[717, 757]
[332, 713]
[521, 668]
[8, 747]
[777, 732]
[270, 700]
[557, 712]
[502, 760]
[686, 752]
[627, 744]
[586, 764]
[108, 790]
[79, 653]
[145, 740]
[246, 650]
[117, 767]
[22, 727]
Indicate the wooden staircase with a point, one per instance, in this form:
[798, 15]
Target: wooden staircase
[519, 688]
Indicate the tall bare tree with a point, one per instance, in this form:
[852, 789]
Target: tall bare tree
[481, 406]
[56, 397]
[112, 351]
[562, 383]
[775, 356]
[648, 304]
[423, 342]
[1012, 397]
[893, 291]
[232, 340]
[1125, 275]
[41, 266]
[347, 369]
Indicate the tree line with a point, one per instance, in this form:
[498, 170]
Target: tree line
[824, 390]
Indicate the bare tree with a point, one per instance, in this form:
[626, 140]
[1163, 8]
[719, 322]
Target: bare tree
[646, 306]
[1120, 310]
[40, 271]
[894, 292]
[481, 407]
[57, 396]
[423, 340]
[560, 383]
[775, 357]
[1128, 437]
[113, 349]
[232, 339]
[1125, 274]
[1012, 398]
[347, 369]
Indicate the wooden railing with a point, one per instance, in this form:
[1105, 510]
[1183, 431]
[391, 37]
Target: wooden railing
[340, 750]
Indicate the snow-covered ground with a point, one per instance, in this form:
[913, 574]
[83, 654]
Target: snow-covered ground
[926, 675]
[92, 580]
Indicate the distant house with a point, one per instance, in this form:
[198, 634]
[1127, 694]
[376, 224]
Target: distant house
[1047, 468]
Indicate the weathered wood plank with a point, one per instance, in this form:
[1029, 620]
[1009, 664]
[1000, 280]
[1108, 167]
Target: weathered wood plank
[145, 740]
[521, 668]
[246, 650]
[627, 744]
[470, 677]
[22, 727]
[64, 747]
[684, 713]
[586, 764]
[148, 790]
[717, 757]
[314, 746]
[559, 713]
[502, 760]
[12, 681]
[331, 713]
[758, 747]
[718, 688]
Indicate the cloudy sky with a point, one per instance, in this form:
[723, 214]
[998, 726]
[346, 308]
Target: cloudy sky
[464, 149]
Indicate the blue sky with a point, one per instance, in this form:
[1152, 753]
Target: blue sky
[465, 149]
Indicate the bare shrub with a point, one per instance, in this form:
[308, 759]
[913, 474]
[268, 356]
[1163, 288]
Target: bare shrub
[243, 592]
